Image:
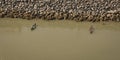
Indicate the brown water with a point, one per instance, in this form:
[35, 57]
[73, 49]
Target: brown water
[58, 40]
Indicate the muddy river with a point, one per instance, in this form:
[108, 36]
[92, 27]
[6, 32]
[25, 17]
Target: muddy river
[58, 40]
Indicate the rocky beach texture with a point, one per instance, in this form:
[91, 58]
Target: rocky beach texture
[78, 10]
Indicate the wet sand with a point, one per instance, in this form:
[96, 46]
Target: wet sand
[58, 40]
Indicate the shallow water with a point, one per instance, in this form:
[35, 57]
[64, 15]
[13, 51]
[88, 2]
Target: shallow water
[58, 40]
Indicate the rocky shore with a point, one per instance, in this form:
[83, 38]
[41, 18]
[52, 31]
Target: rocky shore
[78, 10]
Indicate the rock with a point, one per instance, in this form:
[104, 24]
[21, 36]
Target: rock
[90, 10]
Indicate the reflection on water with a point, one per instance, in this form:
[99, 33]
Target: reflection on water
[59, 41]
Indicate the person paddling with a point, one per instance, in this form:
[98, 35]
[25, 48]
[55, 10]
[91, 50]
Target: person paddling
[91, 29]
[33, 27]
